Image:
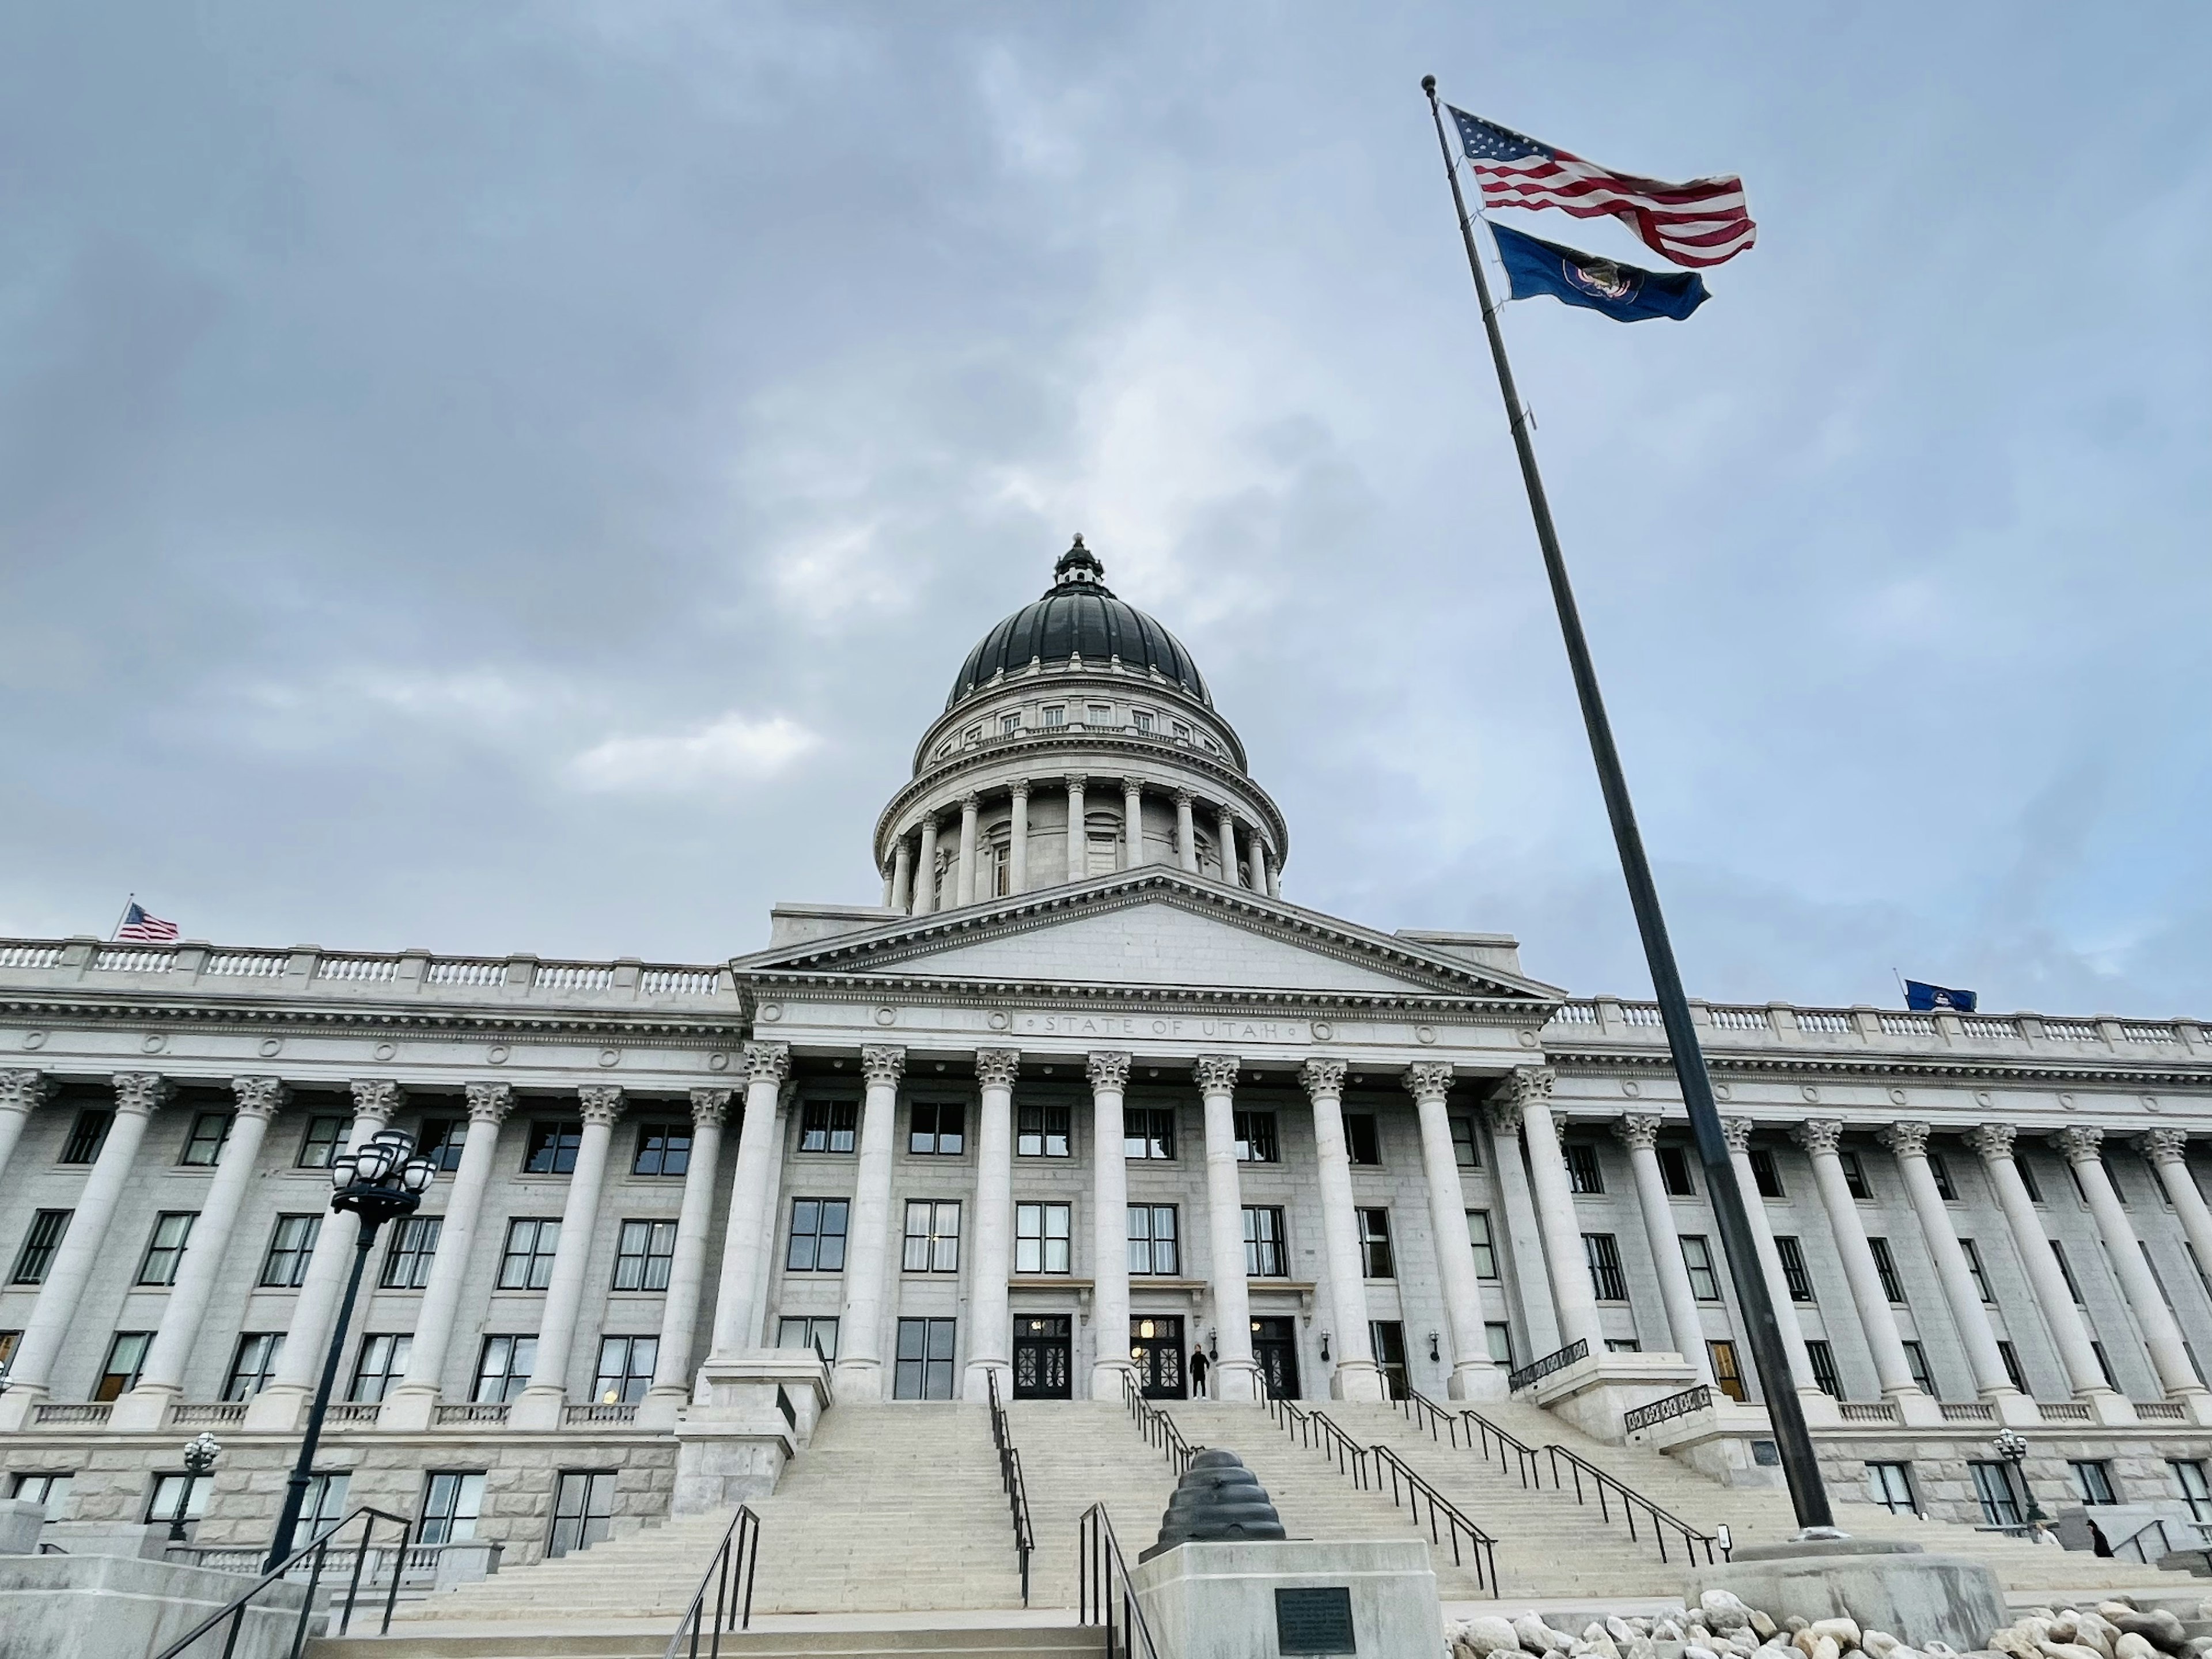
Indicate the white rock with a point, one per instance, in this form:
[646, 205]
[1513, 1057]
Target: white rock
[2069, 1650]
[1666, 1630]
[1879, 1643]
[1620, 1629]
[2129, 1645]
[1538, 1638]
[1693, 1651]
[1486, 1634]
[1641, 1647]
[1764, 1626]
[1724, 1610]
[1844, 1632]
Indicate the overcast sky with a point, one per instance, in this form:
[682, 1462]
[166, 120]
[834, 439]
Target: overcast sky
[521, 478]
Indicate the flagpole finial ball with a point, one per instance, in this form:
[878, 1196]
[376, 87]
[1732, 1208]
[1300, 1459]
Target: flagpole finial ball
[1429, 85]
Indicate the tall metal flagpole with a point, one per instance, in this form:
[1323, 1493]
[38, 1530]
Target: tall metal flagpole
[1800, 1465]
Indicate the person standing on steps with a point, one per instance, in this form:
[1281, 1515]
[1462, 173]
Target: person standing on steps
[1199, 1367]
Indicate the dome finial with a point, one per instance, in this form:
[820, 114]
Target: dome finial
[1078, 566]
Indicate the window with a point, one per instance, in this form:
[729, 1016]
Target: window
[1148, 1132]
[1182, 731]
[2016, 1376]
[1855, 1176]
[86, 1136]
[1727, 1375]
[1374, 1244]
[413, 1247]
[51, 1492]
[7, 1341]
[2104, 1365]
[291, 1247]
[2156, 1278]
[126, 1354]
[452, 1499]
[933, 1237]
[381, 1363]
[817, 1236]
[625, 1371]
[1263, 1242]
[923, 1369]
[1152, 1239]
[663, 1149]
[1361, 1142]
[1974, 1266]
[1942, 1171]
[161, 1505]
[442, 1141]
[1583, 1175]
[643, 1253]
[1792, 1254]
[936, 1128]
[1465, 1153]
[1043, 1131]
[1890, 1485]
[805, 1332]
[323, 1509]
[39, 1243]
[253, 1367]
[552, 1148]
[1053, 714]
[1255, 1138]
[1010, 724]
[1500, 1335]
[1915, 1361]
[165, 1249]
[1479, 1240]
[1698, 1257]
[1823, 1359]
[1765, 1174]
[1603, 1255]
[2066, 1273]
[527, 1263]
[1099, 714]
[1041, 1235]
[2189, 1479]
[2093, 1480]
[210, 1133]
[2197, 1263]
[1674, 1172]
[1886, 1268]
[319, 1142]
[2027, 1180]
[828, 1126]
[2113, 1179]
[1993, 1486]
[503, 1368]
[583, 1510]
[1624, 1345]
[1144, 720]
[2080, 1193]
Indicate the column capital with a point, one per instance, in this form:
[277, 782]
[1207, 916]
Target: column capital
[1505, 1110]
[766, 1062]
[1184, 797]
[1993, 1140]
[1322, 1077]
[1108, 1068]
[1216, 1074]
[1019, 789]
[601, 1102]
[1907, 1139]
[880, 1063]
[1639, 1131]
[970, 803]
[1078, 781]
[376, 1098]
[1736, 1131]
[2164, 1145]
[2079, 1143]
[1819, 1135]
[20, 1091]
[997, 1068]
[258, 1096]
[139, 1091]
[1428, 1079]
[1132, 785]
[709, 1105]
[1530, 1084]
[489, 1102]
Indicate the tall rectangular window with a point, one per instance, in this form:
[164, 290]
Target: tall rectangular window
[503, 1368]
[381, 1363]
[799, 1331]
[1890, 1485]
[47, 1228]
[583, 1510]
[1974, 1266]
[1765, 1174]
[1674, 1172]
[1255, 1138]
[413, 1247]
[1479, 1240]
[551, 1147]
[1602, 1254]
[1728, 1375]
[828, 1126]
[452, 1501]
[51, 1493]
[2027, 1178]
[1993, 1487]
[1583, 1175]
[320, 1141]
[1855, 1176]
[937, 1128]
[1885, 1267]
[1053, 714]
[165, 1247]
[253, 1367]
[126, 1353]
[2189, 1481]
[644, 1252]
[1915, 1361]
[1698, 1258]
[663, 1149]
[324, 1509]
[2066, 1273]
[1498, 1335]
[526, 1262]
[1374, 1244]
[2194, 1261]
[443, 1139]
[291, 1247]
[2156, 1277]
[1793, 1275]
[2080, 1193]
[1153, 1240]
[1040, 1238]
[1467, 1153]
[1263, 1242]
[2014, 1375]
[1942, 1171]
[2105, 1365]
[1363, 1140]
[2093, 1480]
[625, 1370]
[1044, 1130]
[1823, 1360]
[817, 1236]
[193, 1489]
[86, 1136]
[1148, 1132]
[923, 1368]
[933, 1237]
[210, 1133]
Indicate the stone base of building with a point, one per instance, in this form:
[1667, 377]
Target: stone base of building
[1206, 1601]
[750, 1413]
[64, 1607]
[1883, 1583]
[1724, 1441]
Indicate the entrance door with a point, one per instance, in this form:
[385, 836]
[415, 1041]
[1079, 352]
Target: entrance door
[1390, 1338]
[1042, 1344]
[1275, 1351]
[1155, 1346]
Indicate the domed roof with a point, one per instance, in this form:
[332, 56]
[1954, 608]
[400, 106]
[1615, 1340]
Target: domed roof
[1078, 617]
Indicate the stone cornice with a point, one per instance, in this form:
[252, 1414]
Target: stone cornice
[1587, 1062]
[78, 1011]
[1073, 996]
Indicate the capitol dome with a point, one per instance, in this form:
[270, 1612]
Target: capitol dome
[1079, 618]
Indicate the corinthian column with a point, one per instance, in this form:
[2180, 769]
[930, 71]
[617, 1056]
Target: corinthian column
[1909, 1141]
[990, 1325]
[867, 1261]
[1640, 1133]
[1736, 1131]
[1017, 841]
[1078, 844]
[162, 1378]
[687, 1265]
[2167, 1149]
[902, 877]
[412, 1405]
[540, 1405]
[1819, 1138]
[1132, 823]
[925, 869]
[1356, 1377]
[1110, 1225]
[745, 1232]
[19, 1092]
[1519, 1211]
[1474, 1375]
[136, 1095]
[1233, 1370]
[1186, 834]
[2053, 1299]
[2082, 1143]
[964, 886]
[1226, 826]
[1571, 1290]
[1263, 874]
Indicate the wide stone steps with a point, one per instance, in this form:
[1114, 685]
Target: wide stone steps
[541, 1638]
[1075, 1453]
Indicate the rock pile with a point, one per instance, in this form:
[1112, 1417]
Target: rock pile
[2111, 1630]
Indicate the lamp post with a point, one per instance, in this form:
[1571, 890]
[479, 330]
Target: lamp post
[2012, 1447]
[200, 1453]
[381, 1180]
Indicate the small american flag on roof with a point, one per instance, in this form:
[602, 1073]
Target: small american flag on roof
[143, 926]
[1703, 223]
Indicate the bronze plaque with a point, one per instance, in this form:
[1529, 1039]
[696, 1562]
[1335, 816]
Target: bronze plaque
[1313, 1621]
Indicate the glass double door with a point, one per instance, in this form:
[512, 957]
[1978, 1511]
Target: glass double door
[1044, 1345]
[1275, 1351]
[1156, 1348]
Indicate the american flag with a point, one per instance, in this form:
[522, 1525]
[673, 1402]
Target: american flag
[140, 925]
[1703, 222]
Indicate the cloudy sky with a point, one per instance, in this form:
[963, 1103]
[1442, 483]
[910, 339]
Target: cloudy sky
[522, 476]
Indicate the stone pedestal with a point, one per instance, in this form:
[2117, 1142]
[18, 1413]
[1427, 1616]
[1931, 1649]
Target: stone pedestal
[143, 1410]
[750, 1414]
[67, 1607]
[1884, 1583]
[1477, 1383]
[1207, 1601]
[1595, 1392]
[136, 1541]
[1733, 1443]
[21, 1523]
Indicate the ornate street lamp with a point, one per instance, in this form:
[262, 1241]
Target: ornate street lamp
[2012, 1447]
[381, 1180]
[200, 1453]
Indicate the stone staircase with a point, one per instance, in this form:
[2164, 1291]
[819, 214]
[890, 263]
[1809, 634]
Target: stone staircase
[1075, 1453]
[544, 1638]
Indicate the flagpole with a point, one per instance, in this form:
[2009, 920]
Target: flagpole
[1801, 1466]
[120, 920]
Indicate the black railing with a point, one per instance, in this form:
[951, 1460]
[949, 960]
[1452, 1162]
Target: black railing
[1537, 1371]
[313, 1556]
[1351, 1456]
[1409, 1490]
[1613, 1493]
[730, 1576]
[1009, 1477]
[1665, 1411]
[1102, 1592]
[1157, 1427]
[1514, 1455]
[1424, 1412]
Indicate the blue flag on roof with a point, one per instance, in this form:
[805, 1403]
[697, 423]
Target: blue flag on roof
[1626, 294]
[1926, 999]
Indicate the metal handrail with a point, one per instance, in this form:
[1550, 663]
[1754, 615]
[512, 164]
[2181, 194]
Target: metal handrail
[730, 1574]
[1336, 1444]
[235, 1610]
[1527, 1461]
[1611, 1487]
[1009, 1477]
[1102, 1580]
[1157, 1426]
[1418, 1491]
[1537, 1370]
[1690, 1400]
[1424, 1412]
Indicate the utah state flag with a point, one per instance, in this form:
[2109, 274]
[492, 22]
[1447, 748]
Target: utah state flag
[1621, 292]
